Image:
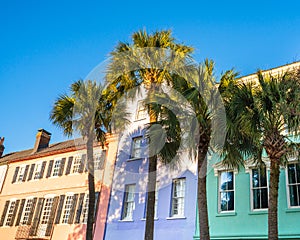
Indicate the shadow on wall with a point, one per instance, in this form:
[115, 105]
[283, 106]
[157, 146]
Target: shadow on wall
[78, 233]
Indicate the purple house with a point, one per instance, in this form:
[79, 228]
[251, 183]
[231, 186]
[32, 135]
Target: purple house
[175, 207]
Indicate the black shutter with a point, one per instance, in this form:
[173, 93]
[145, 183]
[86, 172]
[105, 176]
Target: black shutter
[36, 219]
[62, 167]
[4, 213]
[79, 208]
[20, 212]
[43, 169]
[31, 172]
[60, 207]
[15, 175]
[82, 163]
[14, 213]
[52, 216]
[25, 173]
[72, 213]
[68, 170]
[31, 211]
[49, 168]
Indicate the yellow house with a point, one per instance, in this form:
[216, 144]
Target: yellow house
[45, 191]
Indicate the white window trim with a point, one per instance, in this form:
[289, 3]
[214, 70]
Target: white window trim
[132, 158]
[64, 208]
[79, 156]
[52, 171]
[6, 216]
[19, 173]
[138, 107]
[85, 207]
[34, 171]
[251, 190]
[175, 216]
[43, 208]
[23, 210]
[220, 167]
[287, 186]
[128, 218]
[219, 190]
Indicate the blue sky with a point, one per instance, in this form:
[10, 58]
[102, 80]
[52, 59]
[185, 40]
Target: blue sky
[47, 45]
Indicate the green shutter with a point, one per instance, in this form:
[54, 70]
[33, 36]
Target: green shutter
[62, 167]
[25, 173]
[31, 172]
[20, 212]
[15, 175]
[82, 163]
[79, 208]
[59, 210]
[72, 213]
[4, 213]
[49, 168]
[68, 170]
[35, 224]
[31, 211]
[14, 213]
[52, 216]
[43, 169]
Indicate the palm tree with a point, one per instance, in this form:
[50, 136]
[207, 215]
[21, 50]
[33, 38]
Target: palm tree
[199, 88]
[259, 113]
[84, 112]
[149, 61]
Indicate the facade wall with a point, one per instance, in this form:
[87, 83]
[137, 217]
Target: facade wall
[74, 185]
[130, 171]
[244, 222]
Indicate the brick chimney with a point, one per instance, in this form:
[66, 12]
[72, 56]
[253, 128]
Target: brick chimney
[42, 140]
[1, 146]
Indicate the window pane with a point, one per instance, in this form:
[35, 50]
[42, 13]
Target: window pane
[178, 196]
[264, 198]
[291, 173]
[128, 204]
[227, 180]
[255, 178]
[298, 172]
[256, 198]
[294, 195]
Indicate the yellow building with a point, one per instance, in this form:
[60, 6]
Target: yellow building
[45, 190]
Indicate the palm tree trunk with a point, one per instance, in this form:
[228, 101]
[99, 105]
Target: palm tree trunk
[91, 183]
[273, 199]
[149, 229]
[151, 187]
[202, 198]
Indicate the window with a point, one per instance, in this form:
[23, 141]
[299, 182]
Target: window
[85, 208]
[10, 213]
[136, 150]
[27, 210]
[37, 171]
[226, 191]
[293, 172]
[21, 173]
[178, 195]
[141, 111]
[128, 204]
[259, 188]
[67, 208]
[76, 164]
[99, 160]
[47, 210]
[56, 167]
